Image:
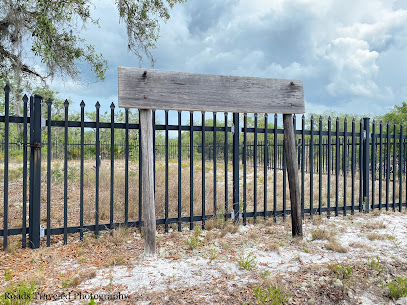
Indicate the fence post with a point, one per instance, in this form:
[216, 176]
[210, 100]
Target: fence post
[146, 127]
[236, 167]
[292, 169]
[366, 162]
[6, 155]
[35, 180]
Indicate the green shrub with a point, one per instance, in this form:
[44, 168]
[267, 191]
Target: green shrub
[343, 272]
[247, 262]
[15, 174]
[193, 242]
[374, 264]
[57, 175]
[397, 289]
[270, 295]
[19, 295]
[8, 275]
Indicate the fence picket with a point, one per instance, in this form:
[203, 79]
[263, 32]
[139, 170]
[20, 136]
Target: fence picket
[333, 154]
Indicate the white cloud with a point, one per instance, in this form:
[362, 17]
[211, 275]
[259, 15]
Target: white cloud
[349, 54]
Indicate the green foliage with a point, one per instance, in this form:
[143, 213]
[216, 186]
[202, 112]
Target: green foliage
[221, 220]
[20, 295]
[375, 264]
[397, 289]
[57, 175]
[15, 174]
[193, 241]
[343, 272]
[92, 302]
[7, 274]
[396, 116]
[265, 273]
[213, 253]
[335, 116]
[247, 262]
[73, 173]
[53, 31]
[270, 295]
[66, 283]
[197, 231]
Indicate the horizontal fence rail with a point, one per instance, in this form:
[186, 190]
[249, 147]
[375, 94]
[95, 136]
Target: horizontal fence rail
[90, 177]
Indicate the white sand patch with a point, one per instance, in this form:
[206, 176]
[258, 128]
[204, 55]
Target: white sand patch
[160, 274]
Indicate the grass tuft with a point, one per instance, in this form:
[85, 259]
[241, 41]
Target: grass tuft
[20, 295]
[320, 234]
[270, 295]
[333, 245]
[247, 262]
[229, 227]
[375, 236]
[398, 288]
[374, 225]
[342, 271]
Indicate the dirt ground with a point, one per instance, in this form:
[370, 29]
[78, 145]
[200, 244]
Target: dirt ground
[342, 260]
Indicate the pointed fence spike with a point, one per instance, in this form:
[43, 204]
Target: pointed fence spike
[112, 106]
[66, 103]
[82, 104]
[49, 102]
[97, 105]
[7, 88]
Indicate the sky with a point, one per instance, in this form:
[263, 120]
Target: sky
[349, 54]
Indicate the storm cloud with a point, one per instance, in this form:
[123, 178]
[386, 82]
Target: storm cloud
[349, 54]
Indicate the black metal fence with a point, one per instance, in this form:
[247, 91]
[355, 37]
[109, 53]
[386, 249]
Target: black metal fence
[367, 172]
[74, 152]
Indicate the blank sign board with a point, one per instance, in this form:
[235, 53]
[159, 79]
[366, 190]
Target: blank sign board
[166, 90]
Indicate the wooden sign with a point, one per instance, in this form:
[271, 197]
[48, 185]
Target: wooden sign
[166, 90]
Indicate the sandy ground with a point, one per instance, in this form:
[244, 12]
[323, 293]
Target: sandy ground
[342, 260]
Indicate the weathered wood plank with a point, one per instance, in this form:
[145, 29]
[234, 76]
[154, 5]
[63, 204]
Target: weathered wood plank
[292, 169]
[146, 124]
[168, 90]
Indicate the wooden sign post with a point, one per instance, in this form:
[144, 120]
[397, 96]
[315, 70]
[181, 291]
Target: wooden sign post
[166, 90]
[147, 153]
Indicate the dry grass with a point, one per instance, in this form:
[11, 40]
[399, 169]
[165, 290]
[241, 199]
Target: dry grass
[38, 277]
[211, 223]
[334, 245]
[374, 225]
[321, 234]
[211, 235]
[119, 235]
[359, 245]
[229, 227]
[376, 236]
[274, 247]
[118, 260]
[71, 281]
[73, 192]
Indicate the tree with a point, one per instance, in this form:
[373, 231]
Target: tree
[334, 116]
[396, 116]
[50, 30]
